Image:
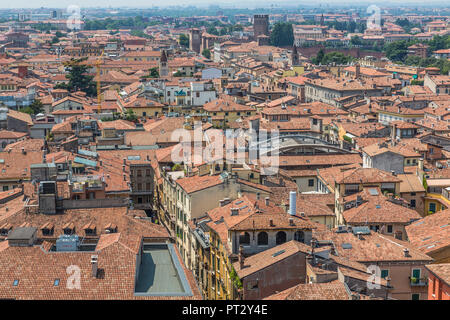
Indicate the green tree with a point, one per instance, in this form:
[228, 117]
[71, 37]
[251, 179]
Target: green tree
[282, 34]
[397, 51]
[154, 72]
[34, 108]
[130, 115]
[206, 53]
[356, 41]
[319, 57]
[184, 40]
[79, 80]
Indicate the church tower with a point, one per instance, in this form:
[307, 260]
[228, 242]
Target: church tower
[163, 66]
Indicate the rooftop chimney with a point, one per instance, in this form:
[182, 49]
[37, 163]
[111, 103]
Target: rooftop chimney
[94, 263]
[357, 71]
[406, 252]
[292, 203]
[241, 257]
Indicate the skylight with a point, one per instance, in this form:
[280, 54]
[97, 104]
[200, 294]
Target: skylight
[16, 283]
[56, 283]
[278, 253]
[346, 246]
[373, 192]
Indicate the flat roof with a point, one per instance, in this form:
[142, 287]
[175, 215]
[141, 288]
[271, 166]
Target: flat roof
[22, 233]
[161, 273]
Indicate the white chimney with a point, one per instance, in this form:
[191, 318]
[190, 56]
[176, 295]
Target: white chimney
[94, 263]
[292, 203]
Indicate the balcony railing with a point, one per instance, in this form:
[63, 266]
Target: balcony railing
[418, 282]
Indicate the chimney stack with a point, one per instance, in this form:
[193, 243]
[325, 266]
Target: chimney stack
[292, 203]
[357, 71]
[241, 257]
[94, 263]
[406, 252]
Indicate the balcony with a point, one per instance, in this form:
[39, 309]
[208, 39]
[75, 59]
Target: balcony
[418, 282]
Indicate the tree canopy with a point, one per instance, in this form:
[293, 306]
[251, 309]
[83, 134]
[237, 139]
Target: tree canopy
[331, 57]
[79, 79]
[206, 53]
[282, 34]
[184, 40]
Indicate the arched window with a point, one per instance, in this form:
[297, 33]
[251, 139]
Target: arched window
[280, 237]
[244, 239]
[299, 236]
[263, 239]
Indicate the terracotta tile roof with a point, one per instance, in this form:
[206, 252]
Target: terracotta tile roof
[36, 271]
[305, 109]
[25, 117]
[399, 148]
[117, 124]
[315, 204]
[6, 134]
[431, 233]
[372, 248]
[325, 159]
[225, 105]
[365, 175]
[334, 290]
[197, 183]
[442, 271]
[266, 258]
[410, 183]
[378, 209]
[16, 165]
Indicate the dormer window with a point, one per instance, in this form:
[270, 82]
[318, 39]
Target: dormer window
[5, 228]
[69, 228]
[110, 228]
[47, 229]
[90, 229]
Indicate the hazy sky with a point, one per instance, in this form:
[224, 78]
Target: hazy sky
[150, 3]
